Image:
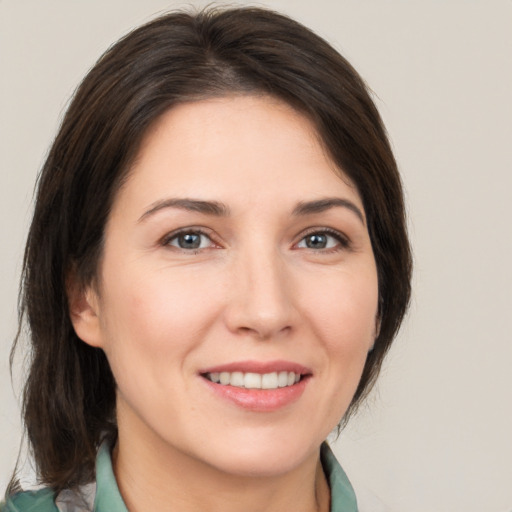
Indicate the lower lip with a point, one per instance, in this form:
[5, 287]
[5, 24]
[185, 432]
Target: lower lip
[260, 400]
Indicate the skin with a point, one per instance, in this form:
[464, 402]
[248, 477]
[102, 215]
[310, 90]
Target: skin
[253, 291]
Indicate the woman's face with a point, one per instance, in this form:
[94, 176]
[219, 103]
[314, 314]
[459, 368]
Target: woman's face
[235, 258]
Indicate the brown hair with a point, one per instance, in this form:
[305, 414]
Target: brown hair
[69, 398]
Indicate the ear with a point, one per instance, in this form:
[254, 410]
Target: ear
[376, 333]
[378, 323]
[83, 303]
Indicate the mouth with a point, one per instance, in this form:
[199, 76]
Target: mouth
[252, 380]
[258, 386]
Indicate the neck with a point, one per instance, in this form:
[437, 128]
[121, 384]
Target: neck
[165, 479]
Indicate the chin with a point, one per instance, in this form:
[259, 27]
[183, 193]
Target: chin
[261, 456]
[260, 465]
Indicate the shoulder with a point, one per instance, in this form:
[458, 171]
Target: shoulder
[42, 500]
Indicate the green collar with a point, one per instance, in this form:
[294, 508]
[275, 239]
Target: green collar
[343, 498]
[108, 498]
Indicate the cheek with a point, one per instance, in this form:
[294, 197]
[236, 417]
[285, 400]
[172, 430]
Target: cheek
[155, 317]
[343, 314]
[344, 310]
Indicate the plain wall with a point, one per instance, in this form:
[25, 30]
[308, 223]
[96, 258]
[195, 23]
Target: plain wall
[436, 434]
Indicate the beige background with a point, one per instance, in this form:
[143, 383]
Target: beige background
[436, 436]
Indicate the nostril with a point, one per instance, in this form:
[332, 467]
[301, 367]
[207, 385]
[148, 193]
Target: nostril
[264, 331]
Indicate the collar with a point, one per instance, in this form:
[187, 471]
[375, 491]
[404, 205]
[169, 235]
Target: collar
[108, 497]
[343, 497]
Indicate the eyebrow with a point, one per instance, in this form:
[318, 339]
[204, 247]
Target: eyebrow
[321, 205]
[194, 205]
[219, 209]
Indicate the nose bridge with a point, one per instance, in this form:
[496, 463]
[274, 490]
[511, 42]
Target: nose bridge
[262, 301]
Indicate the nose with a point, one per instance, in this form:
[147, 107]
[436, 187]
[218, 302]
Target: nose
[261, 299]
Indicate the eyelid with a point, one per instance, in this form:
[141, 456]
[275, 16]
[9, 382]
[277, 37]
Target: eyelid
[343, 240]
[164, 241]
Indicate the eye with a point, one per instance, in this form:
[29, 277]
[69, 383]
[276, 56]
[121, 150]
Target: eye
[192, 240]
[321, 240]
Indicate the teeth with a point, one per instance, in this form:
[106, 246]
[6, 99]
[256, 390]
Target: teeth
[237, 379]
[282, 379]
[251, 380]
[269, 381]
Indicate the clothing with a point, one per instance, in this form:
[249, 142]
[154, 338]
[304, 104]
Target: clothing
[104, 495]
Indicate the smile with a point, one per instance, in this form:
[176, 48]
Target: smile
[251, 380]
[258, 386]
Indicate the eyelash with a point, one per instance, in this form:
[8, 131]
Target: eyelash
[342, 241]
[167, 239]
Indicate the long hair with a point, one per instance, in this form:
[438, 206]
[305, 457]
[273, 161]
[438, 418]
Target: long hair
[69, 397]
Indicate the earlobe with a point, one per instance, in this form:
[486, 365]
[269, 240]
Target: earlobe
[378, 323]
[84, 312]
[376, 333]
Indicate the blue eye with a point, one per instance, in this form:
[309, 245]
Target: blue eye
[190, 240]
[321, 240]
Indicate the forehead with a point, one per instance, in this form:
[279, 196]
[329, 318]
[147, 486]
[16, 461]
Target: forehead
[251, 149]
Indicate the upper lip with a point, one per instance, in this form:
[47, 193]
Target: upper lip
[258, 367]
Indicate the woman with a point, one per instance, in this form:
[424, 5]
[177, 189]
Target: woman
[217, 265]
